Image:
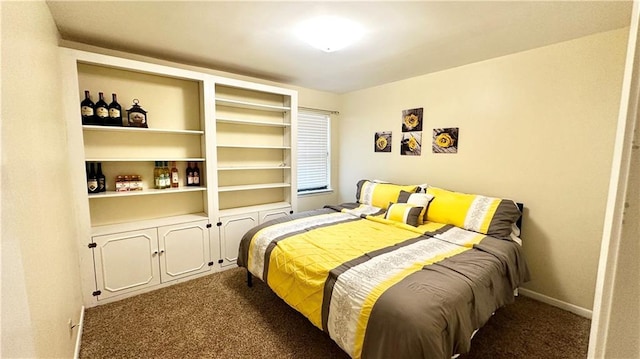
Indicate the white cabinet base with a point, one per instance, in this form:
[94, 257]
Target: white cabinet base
[184, 250]
[234, 226]
[126, 261]
[130, 262]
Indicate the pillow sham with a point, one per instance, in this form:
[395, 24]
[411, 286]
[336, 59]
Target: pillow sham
[486, 215]
[418, 199]
[404, 213]
[380, 194]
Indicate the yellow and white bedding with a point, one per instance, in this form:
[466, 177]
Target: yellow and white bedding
[383, 288]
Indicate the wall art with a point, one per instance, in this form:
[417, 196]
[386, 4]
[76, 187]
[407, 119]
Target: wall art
[411, 144]
[445, 140]
[382, 141]
[412, 120]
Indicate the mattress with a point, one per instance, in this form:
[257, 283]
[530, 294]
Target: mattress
[382, 288]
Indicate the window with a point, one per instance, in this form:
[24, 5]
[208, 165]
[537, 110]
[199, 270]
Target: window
[313, 152]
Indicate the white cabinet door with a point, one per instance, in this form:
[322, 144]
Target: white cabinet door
[126, 262]
[183, 250]
[273, 214]
[231, 231]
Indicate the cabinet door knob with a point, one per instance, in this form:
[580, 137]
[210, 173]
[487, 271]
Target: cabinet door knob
[161, 251]
[154, 253]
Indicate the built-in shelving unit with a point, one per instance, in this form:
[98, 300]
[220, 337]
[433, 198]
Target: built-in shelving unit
[254, 141]
[136, 241]
[240, 134]
[176, 133]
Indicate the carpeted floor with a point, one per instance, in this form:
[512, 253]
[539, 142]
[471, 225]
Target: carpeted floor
[218, 316]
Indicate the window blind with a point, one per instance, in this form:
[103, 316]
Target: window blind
[313, 151]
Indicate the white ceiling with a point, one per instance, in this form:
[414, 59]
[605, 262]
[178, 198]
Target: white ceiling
[402, 39]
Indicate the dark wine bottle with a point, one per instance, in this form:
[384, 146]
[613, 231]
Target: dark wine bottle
[102, 180]
[196, 174]
[189, 174]
[87, 109]
[92, 180]
[102, 110]
[115, 112]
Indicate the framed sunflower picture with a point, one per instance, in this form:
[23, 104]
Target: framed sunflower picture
[412, 120]
[411, 144]
[445, 140]
[382, 141]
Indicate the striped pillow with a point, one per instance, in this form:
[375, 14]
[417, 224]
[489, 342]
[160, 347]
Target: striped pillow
[404, 213]
[417, 199]
[486, 215]
[379, 194]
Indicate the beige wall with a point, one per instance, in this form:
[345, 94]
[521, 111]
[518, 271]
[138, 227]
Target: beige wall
[40, 274]
[536, 126]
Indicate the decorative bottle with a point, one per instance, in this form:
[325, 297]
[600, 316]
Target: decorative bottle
[189, 174]
[87, 109]
[102, 180]
[115, 112]
[196, 174]
[175, 178]
[102, 110]
[92, 180]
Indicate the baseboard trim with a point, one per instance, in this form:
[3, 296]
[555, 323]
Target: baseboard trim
[586, 313]
[76, 353]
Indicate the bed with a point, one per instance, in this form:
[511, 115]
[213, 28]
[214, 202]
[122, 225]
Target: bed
[397, 273]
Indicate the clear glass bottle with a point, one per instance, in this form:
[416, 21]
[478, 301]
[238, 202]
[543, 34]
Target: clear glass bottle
[175, 177]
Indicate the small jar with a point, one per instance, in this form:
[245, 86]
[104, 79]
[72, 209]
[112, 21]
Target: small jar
[139, 183]
[127, 183]
[135, 183]
[120, 184]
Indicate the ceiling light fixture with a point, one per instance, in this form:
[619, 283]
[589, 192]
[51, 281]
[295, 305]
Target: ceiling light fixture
[329, 33]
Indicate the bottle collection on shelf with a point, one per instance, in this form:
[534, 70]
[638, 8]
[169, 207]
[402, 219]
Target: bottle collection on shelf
[169, 177]
[163, 175]
[101, 114]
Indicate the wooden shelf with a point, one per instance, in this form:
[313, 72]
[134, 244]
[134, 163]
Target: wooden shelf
[145, 192]
[185, 159]
[252, 168]
[250, 105]
[256, 147]
[251, 122]
[251, 187]
[139, 130]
